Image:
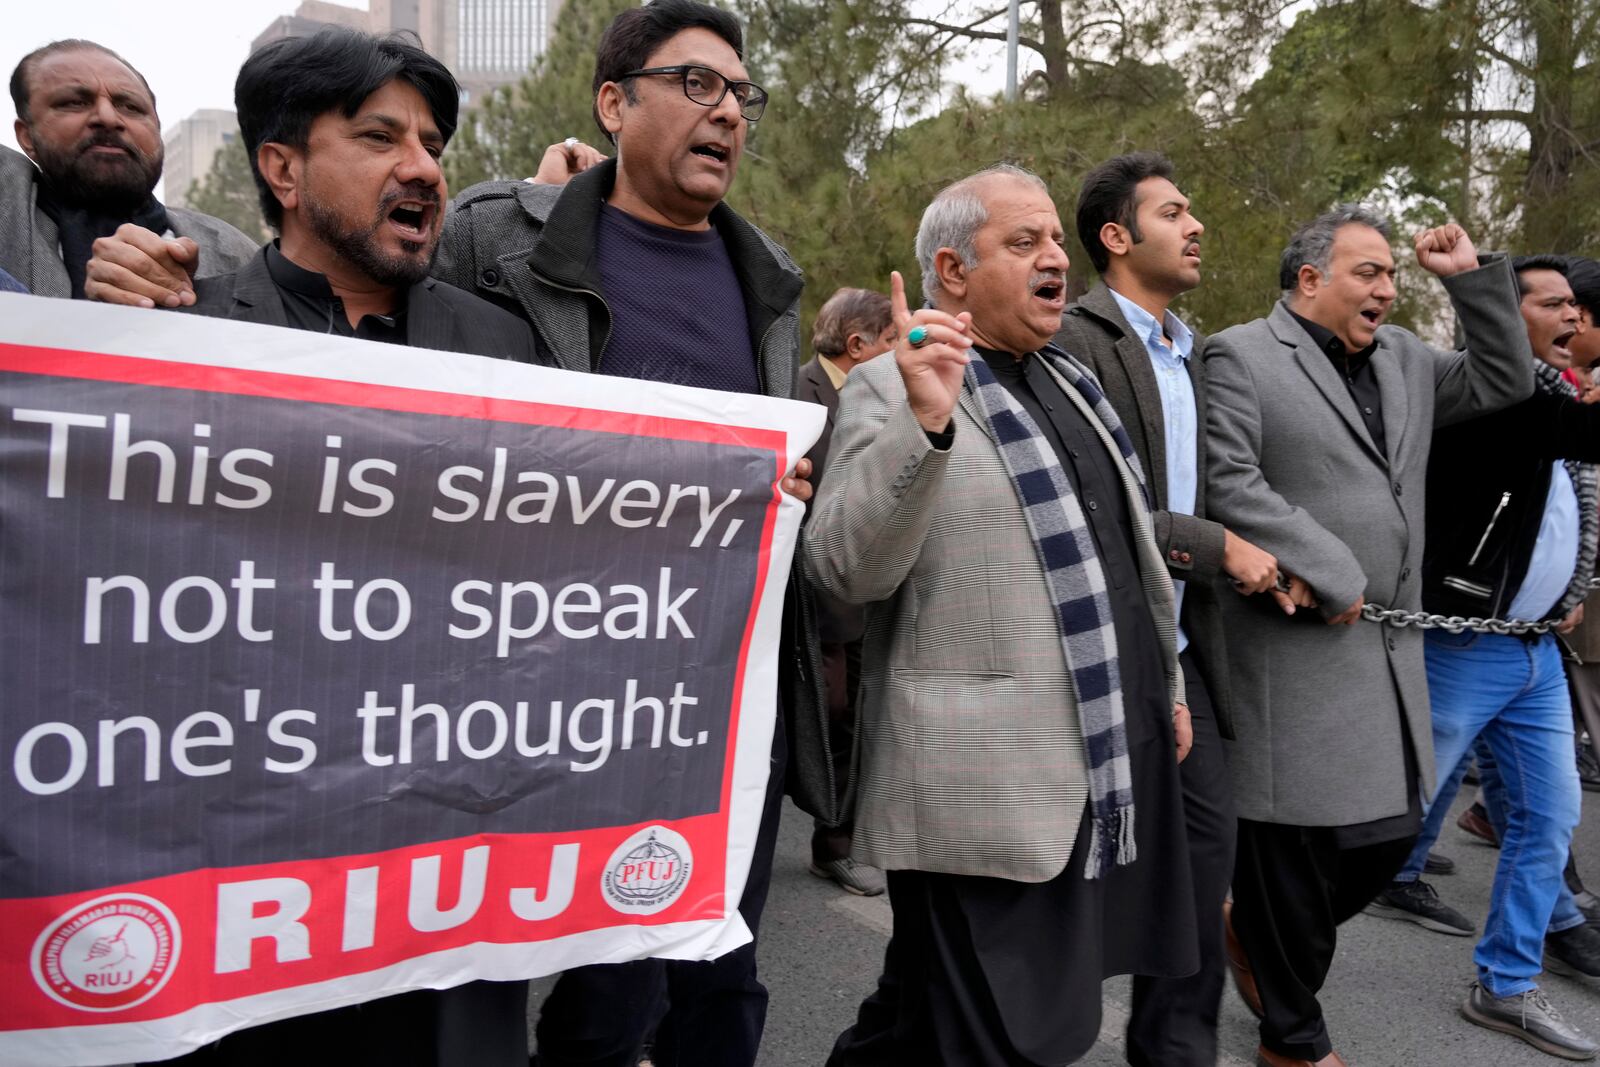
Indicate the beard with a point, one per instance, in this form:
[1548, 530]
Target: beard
[104, 183]
[359, 244]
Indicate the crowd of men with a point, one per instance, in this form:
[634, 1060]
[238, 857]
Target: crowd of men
[1108, 627]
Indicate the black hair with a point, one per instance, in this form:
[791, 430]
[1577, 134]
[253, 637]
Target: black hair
[290, 83]
[1542, 261]
[1583, 274]
[634, 35]
[1108, 195]
[21, 90]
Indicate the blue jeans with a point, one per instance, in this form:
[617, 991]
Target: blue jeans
[1492, 793]
[1512, 694]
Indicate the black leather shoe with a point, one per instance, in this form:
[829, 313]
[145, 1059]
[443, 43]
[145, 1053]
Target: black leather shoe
[1531, 1017]
[1416, 902]
[1437, 864]
[1573, 953]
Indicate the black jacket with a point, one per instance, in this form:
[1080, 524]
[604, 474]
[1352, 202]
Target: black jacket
[1487, 482]
[1096, 332]
[438, 315]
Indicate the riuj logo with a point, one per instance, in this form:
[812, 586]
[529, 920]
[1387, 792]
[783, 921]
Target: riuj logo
[107, 954]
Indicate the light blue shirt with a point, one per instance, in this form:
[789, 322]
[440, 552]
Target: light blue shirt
[1178, 413]
[1555, 554]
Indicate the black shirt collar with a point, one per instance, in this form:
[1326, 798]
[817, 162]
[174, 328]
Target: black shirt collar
[1329, 344]
[1004, 363]
[287, 274]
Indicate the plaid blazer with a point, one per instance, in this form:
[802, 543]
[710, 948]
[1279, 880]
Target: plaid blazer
[970, 759]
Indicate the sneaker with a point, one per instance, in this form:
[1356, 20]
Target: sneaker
[1531, 1017]
[1437, 864]
[1573, 953]
[1416, 902]
[1588, 767]
[851, 876]
[1475, 821]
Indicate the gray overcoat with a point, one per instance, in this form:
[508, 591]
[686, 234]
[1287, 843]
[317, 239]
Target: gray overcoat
[30, 250]
[971, 758]
[1318, 710]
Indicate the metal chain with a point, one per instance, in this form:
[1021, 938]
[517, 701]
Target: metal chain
[1423, 620]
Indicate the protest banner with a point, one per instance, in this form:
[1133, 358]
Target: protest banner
[334, 668]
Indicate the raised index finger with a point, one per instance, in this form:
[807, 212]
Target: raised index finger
[897, 303]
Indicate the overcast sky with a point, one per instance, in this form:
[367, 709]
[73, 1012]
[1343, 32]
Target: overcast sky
[189, 50]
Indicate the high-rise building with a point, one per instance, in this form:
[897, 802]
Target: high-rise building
[191, 146]
[310, 17]
[485, 43]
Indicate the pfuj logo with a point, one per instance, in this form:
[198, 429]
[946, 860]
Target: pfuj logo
[108, 954]
[648, 871]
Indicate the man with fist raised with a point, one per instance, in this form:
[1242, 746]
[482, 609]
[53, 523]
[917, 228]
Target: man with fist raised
[1022, 715]
[1319, 429]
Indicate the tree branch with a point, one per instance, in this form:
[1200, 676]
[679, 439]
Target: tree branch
[969, 32]
[1491, 115]
[1511, 61]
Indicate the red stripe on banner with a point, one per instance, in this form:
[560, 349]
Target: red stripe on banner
[133, 370]
[151, 949]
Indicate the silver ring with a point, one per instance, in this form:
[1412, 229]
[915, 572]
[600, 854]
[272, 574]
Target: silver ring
[570, 143]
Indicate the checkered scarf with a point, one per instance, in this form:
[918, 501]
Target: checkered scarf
[1077, 586]
[1587, 487]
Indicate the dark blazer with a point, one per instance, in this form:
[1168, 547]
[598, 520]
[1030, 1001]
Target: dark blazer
[444, 318]
[838, 622]
[1096, 332]
[438, 316]
[812, 384]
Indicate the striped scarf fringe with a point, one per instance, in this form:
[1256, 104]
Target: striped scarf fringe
[1077, 586]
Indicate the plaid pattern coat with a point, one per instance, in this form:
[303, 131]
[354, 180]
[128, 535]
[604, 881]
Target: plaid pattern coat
[970, 757]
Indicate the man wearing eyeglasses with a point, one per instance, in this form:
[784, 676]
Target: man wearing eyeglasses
[637, 268]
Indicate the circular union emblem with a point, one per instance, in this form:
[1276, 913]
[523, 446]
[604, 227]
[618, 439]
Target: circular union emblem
[647, 872]
[108, 954]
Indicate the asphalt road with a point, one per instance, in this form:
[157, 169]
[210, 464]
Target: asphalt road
[1391, 1000]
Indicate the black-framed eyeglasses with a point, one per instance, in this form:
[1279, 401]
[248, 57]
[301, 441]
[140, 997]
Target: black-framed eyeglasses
[706, 87]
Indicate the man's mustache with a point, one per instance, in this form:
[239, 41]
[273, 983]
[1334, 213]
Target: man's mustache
[107, 139]
[419, 191]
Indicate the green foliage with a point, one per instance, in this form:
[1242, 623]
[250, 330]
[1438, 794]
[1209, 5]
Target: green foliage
[1483, 110]
[228, 191]
[505, 134]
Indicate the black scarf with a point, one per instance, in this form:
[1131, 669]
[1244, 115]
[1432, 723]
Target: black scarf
[79, 226]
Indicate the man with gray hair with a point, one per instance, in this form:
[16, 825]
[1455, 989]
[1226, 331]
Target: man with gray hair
[1022, 717]
[1319, 430]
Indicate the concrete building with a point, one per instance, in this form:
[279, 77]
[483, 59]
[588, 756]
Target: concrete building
[191, 146]
[310, 17]
[485, 43]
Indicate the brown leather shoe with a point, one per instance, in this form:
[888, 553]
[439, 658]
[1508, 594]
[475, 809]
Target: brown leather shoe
[1244, 979]
[1265, 1057]
[1475, 821]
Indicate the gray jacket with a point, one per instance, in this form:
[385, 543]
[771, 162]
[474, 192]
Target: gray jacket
[971, 757]
[1097, 333]
[30, 250]
[1319, 710]
[530, 248]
